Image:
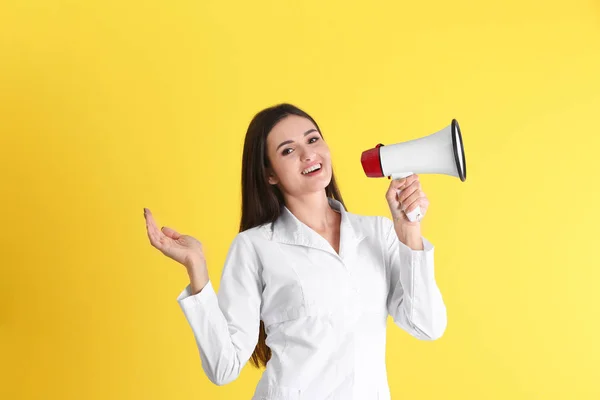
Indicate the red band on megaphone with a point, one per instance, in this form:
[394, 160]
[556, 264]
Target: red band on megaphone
[371, 162]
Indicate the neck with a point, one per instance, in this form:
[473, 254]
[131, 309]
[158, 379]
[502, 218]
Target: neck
[313, 210]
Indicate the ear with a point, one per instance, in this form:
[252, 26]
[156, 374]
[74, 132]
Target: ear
[273, 180]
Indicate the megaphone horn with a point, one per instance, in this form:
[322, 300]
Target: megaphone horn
[441, 152]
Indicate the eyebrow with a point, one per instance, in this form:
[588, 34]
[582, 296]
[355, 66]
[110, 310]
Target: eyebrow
[291, 141]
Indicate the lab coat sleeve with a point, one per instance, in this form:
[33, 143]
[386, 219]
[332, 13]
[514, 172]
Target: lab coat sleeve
[414, 299]
[225, 325]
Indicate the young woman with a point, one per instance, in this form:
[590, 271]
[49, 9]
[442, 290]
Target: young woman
[307, 286]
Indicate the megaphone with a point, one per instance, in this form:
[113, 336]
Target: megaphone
[441, 152]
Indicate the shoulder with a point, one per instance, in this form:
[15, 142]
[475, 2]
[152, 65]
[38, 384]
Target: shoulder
[254, 236]
[244, 248]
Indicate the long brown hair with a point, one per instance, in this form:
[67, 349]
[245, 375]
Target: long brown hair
[261, 201]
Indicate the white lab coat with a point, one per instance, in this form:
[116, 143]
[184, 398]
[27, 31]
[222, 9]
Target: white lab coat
[325, 314]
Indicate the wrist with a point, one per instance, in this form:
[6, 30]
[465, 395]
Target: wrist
[195, 264]
[198, 278]
[410, 235]
[196, 269]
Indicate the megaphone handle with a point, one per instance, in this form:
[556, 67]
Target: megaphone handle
[414, 215]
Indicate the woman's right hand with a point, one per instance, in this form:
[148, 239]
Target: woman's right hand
[182, 248]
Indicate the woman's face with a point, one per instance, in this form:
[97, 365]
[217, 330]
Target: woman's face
[293, 145]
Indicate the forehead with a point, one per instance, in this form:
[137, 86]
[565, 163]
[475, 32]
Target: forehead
[291, 127]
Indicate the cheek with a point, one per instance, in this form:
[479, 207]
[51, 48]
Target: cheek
[278, 163]
[285, 167]
[325, 154]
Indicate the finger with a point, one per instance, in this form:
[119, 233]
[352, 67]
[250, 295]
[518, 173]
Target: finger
[409, 191]
[422, 202]
[170, 232]
[151, 224]
[153, 233]
[409, 200]
[397, 183]
[410, 179]
[403, 182]
[154, 240]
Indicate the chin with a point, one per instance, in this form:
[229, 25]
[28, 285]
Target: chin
[318, 184]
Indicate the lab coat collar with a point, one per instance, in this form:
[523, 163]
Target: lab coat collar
[289, 229]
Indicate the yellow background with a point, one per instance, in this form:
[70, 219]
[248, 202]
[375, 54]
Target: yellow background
[107, 107]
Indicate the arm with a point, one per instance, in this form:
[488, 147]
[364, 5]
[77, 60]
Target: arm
[226, 325]
[414, 299]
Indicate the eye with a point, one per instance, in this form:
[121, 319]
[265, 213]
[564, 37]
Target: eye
[288, 150]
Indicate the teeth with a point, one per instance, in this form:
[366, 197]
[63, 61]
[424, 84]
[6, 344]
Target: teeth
[310, 169]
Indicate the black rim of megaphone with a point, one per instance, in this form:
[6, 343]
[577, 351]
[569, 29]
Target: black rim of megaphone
[462, 172]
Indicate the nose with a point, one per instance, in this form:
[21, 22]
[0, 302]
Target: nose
[307, 154]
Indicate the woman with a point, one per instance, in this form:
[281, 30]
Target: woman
[307, 286]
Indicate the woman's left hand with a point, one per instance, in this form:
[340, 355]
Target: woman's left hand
[411, 197]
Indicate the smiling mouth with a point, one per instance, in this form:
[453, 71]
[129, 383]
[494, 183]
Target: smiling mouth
[313, 169]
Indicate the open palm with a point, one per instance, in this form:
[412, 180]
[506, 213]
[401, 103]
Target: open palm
[182, 248]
